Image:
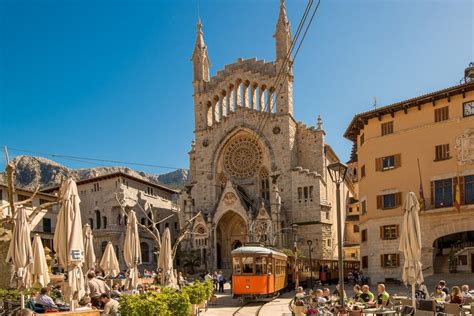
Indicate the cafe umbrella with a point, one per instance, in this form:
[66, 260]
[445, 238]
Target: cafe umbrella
[89, 255]
[68, 241]
[39, 268]
[20, 253]
[109, 263]
[165, 260]
[410, 244]
[132, 251]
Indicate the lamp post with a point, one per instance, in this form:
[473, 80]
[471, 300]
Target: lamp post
[337, 172]
[295, 230]
[310, 242]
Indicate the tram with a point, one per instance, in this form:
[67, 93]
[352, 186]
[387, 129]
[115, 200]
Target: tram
[257, 272]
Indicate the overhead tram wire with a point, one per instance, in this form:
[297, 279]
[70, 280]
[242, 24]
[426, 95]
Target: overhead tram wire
[294, 57]
[281, 73]
[91, 161]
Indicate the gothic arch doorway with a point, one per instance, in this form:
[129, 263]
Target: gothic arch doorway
[231, 233]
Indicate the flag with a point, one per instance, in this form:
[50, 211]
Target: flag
[457, 196]
[422, 197]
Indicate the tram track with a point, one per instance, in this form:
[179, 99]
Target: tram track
[249, 309]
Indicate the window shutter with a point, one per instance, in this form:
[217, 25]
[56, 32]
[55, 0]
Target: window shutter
[382, 261]
[398, 199]
[379, 202]
[398, 230]
[461, 188]
[378, 164]
[432, 197]
[398, 160]
[381, 232]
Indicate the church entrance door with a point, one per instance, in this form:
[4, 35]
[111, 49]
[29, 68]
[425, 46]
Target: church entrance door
[231, 233]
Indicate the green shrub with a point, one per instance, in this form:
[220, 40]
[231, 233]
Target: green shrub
[166, 303]
[196, 292]
[209, 287]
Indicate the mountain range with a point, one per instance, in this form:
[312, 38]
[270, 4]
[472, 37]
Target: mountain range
[31, 172]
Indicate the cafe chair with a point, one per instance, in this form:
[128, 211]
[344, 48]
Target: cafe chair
[427, 305]
[424, 313]
[406, 302]
[452, 309]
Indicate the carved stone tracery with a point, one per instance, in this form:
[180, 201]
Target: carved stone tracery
[243, 157]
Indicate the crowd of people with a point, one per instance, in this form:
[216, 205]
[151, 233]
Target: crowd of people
[362, 297]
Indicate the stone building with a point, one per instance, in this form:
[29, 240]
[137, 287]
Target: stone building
[101, 210]
[255, 170]
[45, 222]
[424, 145]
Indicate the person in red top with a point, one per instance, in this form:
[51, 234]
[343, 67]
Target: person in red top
[456, 296]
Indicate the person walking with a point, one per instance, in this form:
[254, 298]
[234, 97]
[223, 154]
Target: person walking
[221, 281]
[214, 280]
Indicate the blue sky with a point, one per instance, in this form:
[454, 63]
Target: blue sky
[112, 79]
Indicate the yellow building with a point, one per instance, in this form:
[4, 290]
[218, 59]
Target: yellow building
[424, 145]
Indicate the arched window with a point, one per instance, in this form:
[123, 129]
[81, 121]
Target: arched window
[264, 185]
[97, 218]
[145, 252]
[104, 221]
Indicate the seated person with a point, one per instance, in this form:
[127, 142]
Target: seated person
[456, 296]
[111, 306]
[85, 303]
[366, 295]
[439, 295]
[382, 296]
[465, 291]
[45, 300]
[357, 292]
[326, 294]
[320, 299]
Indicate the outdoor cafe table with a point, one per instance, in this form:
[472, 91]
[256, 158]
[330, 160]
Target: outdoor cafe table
[467, 307]
[378, 311]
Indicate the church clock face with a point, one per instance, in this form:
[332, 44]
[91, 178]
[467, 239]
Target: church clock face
[242, 157]
[468, 108]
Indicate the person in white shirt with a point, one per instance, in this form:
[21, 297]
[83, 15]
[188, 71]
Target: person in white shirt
[465, 291]
[45, 300]
[111, 306]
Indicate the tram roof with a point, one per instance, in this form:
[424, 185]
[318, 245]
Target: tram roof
[257, 250]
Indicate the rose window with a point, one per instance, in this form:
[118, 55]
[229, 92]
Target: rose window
[242, 157]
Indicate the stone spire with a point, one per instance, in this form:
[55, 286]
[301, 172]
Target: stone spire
[319, 125]
[200, 58]
[283, 41]
[282, 35]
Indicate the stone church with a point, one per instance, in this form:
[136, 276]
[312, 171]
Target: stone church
[255, 170]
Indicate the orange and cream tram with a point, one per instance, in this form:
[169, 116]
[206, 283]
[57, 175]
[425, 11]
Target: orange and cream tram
[257, 272]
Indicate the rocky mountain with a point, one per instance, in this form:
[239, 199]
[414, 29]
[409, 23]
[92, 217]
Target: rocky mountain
[33, 171]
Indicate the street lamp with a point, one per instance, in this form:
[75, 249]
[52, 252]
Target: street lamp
[337, 172]
[310, 242]
[295, 230]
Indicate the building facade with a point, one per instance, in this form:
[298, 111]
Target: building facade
[45, 222]
[101, 210]
[423, 145]
[256, 171]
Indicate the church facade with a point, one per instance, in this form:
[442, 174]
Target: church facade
[256, 172]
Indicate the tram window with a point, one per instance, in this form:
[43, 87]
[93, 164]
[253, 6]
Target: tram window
[236, 262]
[270, 266]
[247, 263]
[260, 265]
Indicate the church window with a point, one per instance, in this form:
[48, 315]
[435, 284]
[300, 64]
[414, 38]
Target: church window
[300, 193]
[97, 219]
[242, 157]
[145, 252]
[91, 223]
[104, 221]
[305, 190]
[311, 192]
